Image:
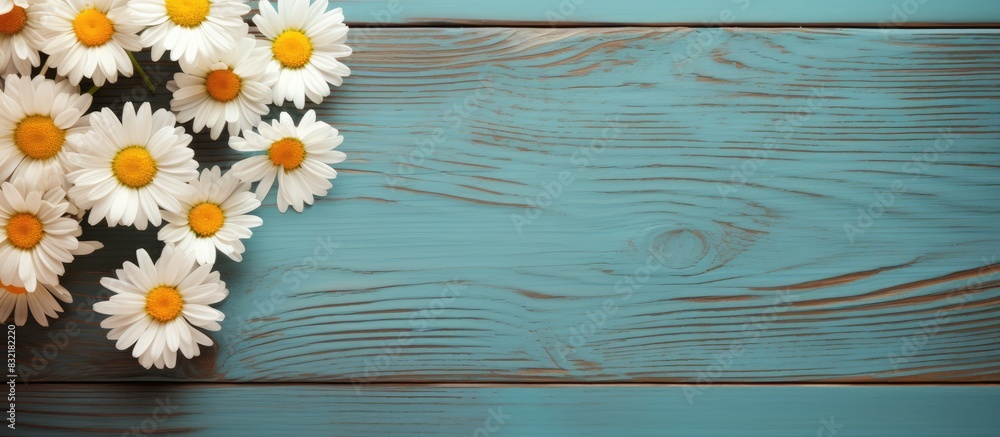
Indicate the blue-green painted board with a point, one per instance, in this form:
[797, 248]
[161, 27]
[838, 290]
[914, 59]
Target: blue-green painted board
[599, 411]
[889, 13]
[535, 170]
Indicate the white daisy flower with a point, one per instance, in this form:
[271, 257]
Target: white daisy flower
[190, 28]
[305, 41]
[36, 116]
[89, 38]
[35, 237]
[41, 303]
[54, 192]
[215, 217]
[20, 39]
[7, 5]
[231, 89]
[299, 156]
[157, 307]
[131, 168]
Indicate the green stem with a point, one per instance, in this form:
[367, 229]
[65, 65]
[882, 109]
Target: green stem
[142, 73]
[93, 89]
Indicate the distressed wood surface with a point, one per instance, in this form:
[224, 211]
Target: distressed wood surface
[889, 13]
[695, 229]
[248, 410]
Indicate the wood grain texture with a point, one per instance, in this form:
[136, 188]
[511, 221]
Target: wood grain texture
[888, 13]
[693, 230]
[251, 410]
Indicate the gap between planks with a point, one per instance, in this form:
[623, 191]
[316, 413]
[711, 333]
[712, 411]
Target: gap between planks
[539, 384]
[453, 24]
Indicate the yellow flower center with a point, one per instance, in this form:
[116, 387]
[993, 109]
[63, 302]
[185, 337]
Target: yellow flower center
[292, 49]
[12, 22]
[25, 231]
[134, 167]
[164, 303]
[93, 28]
[287, 152]
[14, 289]
[187, 13]
[223, 85]
[38, 137]
[206, 219]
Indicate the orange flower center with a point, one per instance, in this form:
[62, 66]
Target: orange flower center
[93, 28]
[25, 231]
[164, 303]
[223, 85]
[14, 289]
[12, 22]
[288, 153]
[206, 219]
[292, 49]
[188, 13]
[134, 167]
[38, 137]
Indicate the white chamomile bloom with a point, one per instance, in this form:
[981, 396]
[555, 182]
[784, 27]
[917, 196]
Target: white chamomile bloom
[130, 169]
[158, 307]
[35, 237]
[41, 303]
[305, 41]
[89, 38]
[190, 28]
[299, 156]
[231, 89]
[7, 5]
[215, 217]
[20, 39]
[36, 116]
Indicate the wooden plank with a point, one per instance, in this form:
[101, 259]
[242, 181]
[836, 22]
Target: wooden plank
[884, 13]
[440, 255]
[247, 409]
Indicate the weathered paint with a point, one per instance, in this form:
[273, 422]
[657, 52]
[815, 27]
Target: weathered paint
[739, 168]
[599, 411]
[884, 13]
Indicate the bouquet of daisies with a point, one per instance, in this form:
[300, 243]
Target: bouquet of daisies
[61, 160]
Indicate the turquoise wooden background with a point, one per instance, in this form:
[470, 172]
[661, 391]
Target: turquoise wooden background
[577, 215]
